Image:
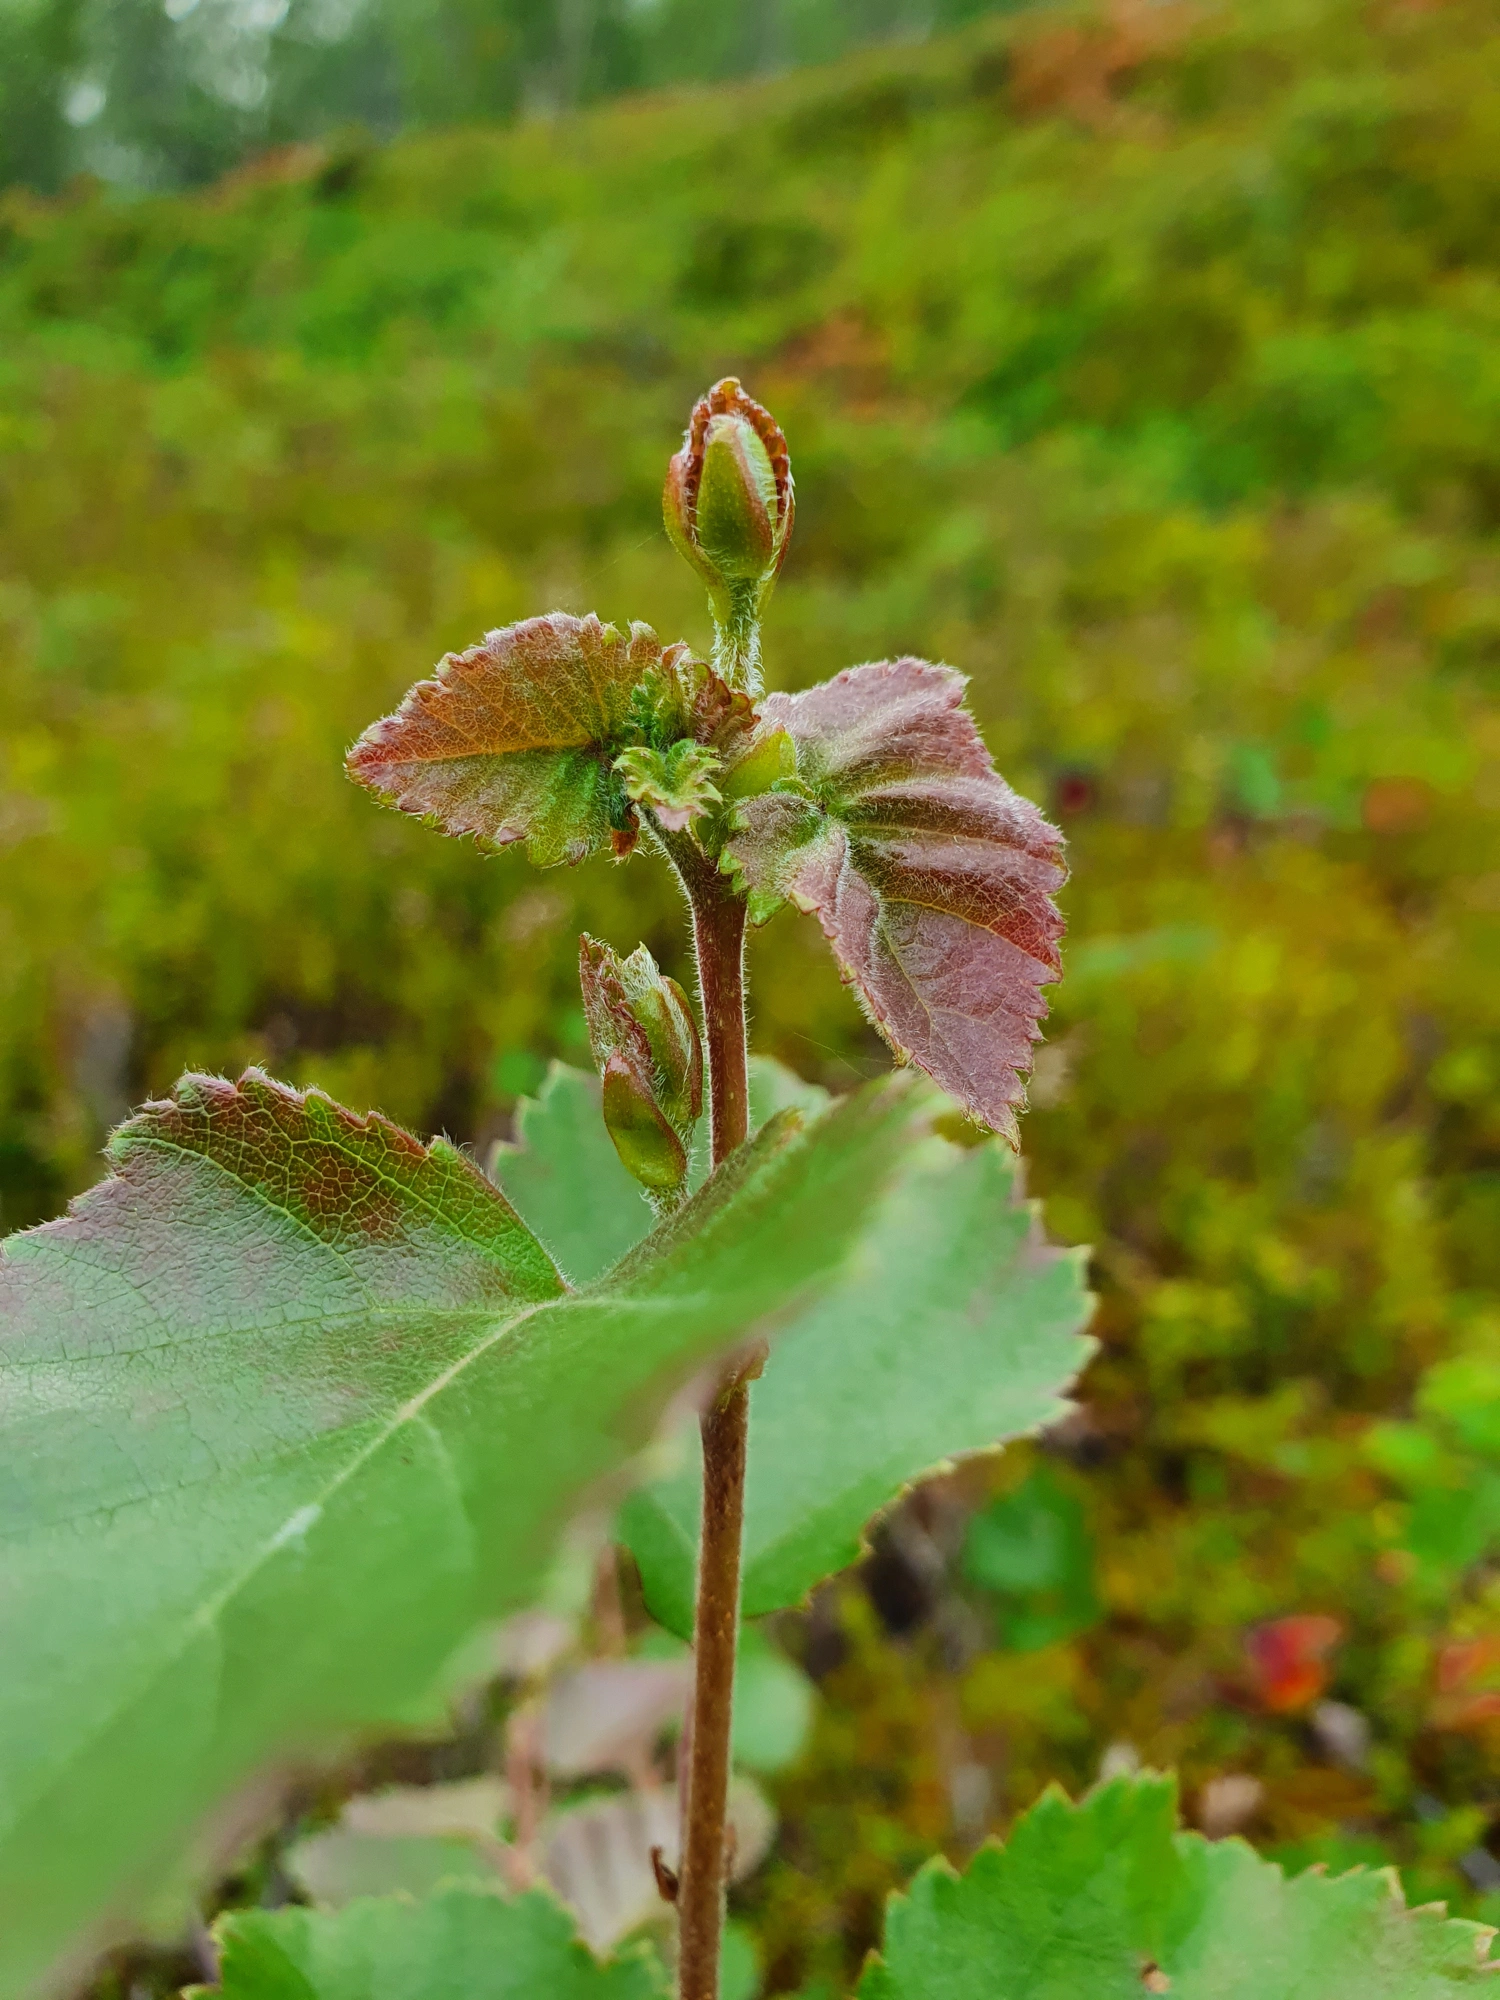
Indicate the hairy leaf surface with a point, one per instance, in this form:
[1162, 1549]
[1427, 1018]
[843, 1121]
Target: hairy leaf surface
[955, 1328]
[287, 1405]
[932, 879]
[1103, 1898]
[515, 738]
[457, 1944]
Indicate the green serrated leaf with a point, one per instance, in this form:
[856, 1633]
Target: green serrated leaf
[457, 1944]
[567, 1180]
[956, 1328]
[821, 1400]
[1103, 1899]
[287, 1405]
[565, 1176]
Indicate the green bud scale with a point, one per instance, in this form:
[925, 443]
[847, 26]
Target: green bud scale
[646, 1048]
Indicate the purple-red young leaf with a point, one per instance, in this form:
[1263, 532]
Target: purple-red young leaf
[932, 879]
[514, 739]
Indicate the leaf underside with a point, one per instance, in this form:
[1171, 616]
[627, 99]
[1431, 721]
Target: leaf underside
[1104, 1898]
[932, 879]
[955, 1328]
[457, 1944]
[514, 739]
[287, 1405]
[566, 1178]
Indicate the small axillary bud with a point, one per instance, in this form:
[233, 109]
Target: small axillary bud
[646, 1048]
[729, 505]
[770, 759]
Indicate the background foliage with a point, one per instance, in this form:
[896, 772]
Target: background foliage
[158, 95]
[1144, 367]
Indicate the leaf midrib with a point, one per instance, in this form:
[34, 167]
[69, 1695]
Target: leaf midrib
[205, 1615]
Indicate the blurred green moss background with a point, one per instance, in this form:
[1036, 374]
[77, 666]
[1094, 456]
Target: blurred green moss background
[1145, 365]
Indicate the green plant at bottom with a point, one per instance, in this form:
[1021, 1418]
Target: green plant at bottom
[293, 1402]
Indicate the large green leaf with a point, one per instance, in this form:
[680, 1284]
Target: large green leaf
[457, 1944]
[955, 1328]
[1104, 1901]
[287, 1404]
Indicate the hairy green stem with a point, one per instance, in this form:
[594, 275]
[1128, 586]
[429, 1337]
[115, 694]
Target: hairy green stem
[737, 636]
[719, 942]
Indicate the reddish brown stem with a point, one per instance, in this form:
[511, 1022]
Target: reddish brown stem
[700, 1897]
[719, 941]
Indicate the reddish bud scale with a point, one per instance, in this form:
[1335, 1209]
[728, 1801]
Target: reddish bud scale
[728, 506]
[685, 473]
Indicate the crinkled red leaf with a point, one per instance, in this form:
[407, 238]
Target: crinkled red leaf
[514, 739]
[932, 879]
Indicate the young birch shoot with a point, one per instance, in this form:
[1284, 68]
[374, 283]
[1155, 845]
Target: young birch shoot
[291, 1402]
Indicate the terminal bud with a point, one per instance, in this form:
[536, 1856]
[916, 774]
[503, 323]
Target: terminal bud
[728, 506]
[650, 1060]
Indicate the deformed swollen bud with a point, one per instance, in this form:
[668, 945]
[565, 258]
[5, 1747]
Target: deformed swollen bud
[728, 506]
[646, 1046]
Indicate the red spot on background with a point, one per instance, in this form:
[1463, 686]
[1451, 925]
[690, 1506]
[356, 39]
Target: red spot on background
[1288, 1660]
[1468, 1683]
[1074, 793]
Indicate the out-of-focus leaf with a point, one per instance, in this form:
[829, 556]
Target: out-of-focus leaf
[1288, 1659]
[457, 1944]
[598, 1855]
[1103, 1898]
[290, 1403]
[516, 738]
[956, 1328]
[408, 1838]
[1032, 1550]
[739, 1969]
[773, 1705]
[598, 1858]
[932, 879]
[607, 1714]
[773, 1698]
[341, 1864]
[463, 1807]
[595, 1854]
